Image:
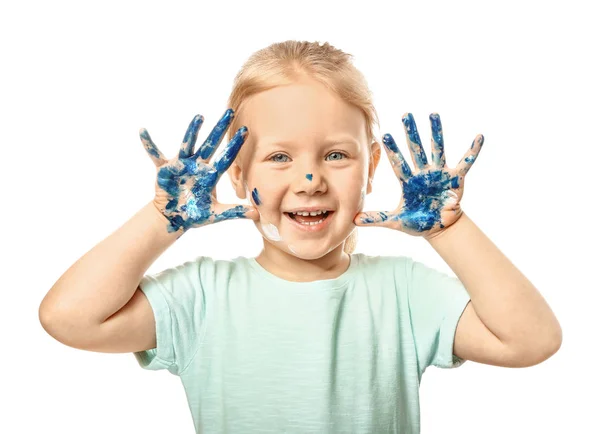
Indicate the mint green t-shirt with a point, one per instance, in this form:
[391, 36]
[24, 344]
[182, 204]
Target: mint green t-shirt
[260, 354]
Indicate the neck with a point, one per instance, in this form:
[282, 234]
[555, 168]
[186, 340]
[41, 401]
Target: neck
[294, 269]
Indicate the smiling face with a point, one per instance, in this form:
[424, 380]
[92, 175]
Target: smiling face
[306, 148]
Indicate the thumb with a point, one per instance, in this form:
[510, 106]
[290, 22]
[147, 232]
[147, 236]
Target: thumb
[372, 218]
[232, 211]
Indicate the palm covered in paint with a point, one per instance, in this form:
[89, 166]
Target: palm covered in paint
[431, 197]
[185, 185]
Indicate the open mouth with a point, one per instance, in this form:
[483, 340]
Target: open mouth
[310, 221]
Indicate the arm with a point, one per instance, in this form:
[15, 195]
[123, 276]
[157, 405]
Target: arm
[503, 299]
[96, 303]
[102, 281]
[507, 322]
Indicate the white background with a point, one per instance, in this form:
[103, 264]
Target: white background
[80, 78]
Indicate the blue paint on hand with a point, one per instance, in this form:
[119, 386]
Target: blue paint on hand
[189, 181]
[431, 190]
[424, 197]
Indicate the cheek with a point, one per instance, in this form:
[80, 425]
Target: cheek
[352, 191]
[355, 181]
[262, 193]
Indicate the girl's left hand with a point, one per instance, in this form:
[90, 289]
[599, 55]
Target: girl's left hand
[430, 200]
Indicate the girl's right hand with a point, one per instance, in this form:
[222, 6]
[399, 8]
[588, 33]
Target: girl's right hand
[186, 185]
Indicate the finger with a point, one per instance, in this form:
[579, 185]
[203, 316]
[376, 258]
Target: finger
[215, 137]
[224, 160]
[189, 140]
[234, 211]
[157, 157]
[438, 157]
[414, 141]
[372, 218]
[399, 164]
[470, 156]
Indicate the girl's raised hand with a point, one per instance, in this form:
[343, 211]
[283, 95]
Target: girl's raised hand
[186, 184]
[430, 200]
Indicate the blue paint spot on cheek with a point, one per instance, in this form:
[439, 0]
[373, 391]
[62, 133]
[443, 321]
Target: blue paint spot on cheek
[309, 176]
[255, 196]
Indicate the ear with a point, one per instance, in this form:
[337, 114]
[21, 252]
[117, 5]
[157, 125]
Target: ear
[237, 179]
[373, 162]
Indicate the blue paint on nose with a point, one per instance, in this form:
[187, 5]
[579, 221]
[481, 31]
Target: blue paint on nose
[255, 196]
[309, 176]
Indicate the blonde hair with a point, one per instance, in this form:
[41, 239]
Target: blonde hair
[287, 62]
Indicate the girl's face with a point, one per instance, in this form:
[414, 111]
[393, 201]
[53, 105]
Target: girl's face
[306, 148]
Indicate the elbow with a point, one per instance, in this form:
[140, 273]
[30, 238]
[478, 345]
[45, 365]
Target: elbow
[544, 355]
[540, 353]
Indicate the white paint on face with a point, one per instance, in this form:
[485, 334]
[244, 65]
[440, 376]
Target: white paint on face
[269, 229]
[306, 122]
[271, 232]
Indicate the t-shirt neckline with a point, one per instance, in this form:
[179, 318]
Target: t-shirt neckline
[333, 283]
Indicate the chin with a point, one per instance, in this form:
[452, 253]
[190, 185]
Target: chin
[307, 249]
[309, 245]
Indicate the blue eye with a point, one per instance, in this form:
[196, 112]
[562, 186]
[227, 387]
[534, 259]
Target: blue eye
[278, 161]
[283, 155]
[337, 152]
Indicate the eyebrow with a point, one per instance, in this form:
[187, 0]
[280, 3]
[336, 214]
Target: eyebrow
[273, 141]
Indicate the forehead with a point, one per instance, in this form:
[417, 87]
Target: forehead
[299, 112]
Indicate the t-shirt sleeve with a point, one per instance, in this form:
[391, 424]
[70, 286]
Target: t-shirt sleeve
[436, 302]
[177, 299]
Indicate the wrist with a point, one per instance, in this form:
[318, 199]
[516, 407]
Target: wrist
[448, 229]
[163, 223]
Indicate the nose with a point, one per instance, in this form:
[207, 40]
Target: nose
[310, 183]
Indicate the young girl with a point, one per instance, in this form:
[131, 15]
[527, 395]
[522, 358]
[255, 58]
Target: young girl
[308, 337]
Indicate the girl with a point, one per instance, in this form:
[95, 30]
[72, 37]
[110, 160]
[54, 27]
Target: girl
[307, 337]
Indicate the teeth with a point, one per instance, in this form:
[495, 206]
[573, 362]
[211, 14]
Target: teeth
[306, 213]
[311, 223]
[313, 213]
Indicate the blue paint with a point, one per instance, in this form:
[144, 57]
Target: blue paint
[215, 136]
[191, 134]
[415, 141]
[479, 142]
[192, 207]
[309, 176]
[255, 196]
[224, 160]
[439, 159]
[149, 144]
[172, 204]
[426, 192]
[436, 128]
[383, 216]
[238, 212]
[411, 128]
[424, 197]
[389, 142]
